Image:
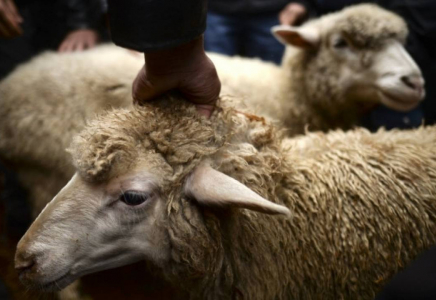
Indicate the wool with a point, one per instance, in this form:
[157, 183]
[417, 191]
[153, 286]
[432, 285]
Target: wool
[363, 204]
[45, 102]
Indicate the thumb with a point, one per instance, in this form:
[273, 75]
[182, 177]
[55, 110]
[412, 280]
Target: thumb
[205, 110]
[144, 89]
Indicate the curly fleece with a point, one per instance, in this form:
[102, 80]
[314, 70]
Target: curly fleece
[46, 101]
[363, 204]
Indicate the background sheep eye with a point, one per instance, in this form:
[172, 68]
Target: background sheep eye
[134, 198]
[340, 43]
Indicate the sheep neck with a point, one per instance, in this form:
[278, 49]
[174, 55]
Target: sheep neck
[315, 101]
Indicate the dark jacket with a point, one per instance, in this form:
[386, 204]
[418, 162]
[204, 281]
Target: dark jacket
[247, 6]
[63, 15]
[150, 25]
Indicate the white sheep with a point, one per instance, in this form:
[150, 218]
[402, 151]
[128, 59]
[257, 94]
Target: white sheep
[162, 184]
[335, 69]
[46, 101]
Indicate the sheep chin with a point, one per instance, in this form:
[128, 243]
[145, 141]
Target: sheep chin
[397, 104]
[51, 285]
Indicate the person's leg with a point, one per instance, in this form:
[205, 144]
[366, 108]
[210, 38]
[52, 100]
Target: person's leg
[258, 39]
[221, 34]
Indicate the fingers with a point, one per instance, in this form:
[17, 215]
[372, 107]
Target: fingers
[91, 42]
[80, 45]
[202, 87]
[66, 46]
[292, 14]
[9, 20]
[72, 45]
[205, 110]
[144, 89]
[288, 18]
[79, 40]
[140, 87]
[14, 11]
[11, 17]
[90, 38]
[203, 95]
[203, 91]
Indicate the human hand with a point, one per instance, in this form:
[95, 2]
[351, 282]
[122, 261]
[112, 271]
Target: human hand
[79, 40]
[10, 20]
[186, 68]
[292, 14]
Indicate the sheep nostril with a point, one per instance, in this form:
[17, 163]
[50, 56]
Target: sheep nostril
[413, 82]
[24, 265]
[407, 82]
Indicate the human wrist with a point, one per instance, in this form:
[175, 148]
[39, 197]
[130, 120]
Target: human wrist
[177, 59]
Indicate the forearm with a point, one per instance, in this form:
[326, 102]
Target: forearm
[178, 59]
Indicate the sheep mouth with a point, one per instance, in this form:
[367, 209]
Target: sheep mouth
[397, 103]
[56, 285]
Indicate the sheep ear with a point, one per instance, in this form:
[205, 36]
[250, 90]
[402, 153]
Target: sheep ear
[213, 188]
[301, 37]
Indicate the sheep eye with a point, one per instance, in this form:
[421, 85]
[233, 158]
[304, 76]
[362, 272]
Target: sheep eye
[134, 198]
[340, 43]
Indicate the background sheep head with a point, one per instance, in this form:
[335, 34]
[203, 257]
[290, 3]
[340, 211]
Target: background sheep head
[144, 180]
[357, 53]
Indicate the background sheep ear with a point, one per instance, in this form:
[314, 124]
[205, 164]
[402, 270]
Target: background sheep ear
[301, 37]
[213, 188]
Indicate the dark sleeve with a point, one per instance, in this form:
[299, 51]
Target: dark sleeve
[310, 6]
[83, 13]
[150, 25]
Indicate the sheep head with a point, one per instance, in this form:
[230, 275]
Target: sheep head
[358, 54]
[136, 170]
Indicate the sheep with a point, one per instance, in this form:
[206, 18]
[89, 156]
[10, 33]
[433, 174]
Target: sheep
[46, 101]
[335, 69]
[189, 195]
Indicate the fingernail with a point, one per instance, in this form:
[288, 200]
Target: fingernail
[205, 112]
